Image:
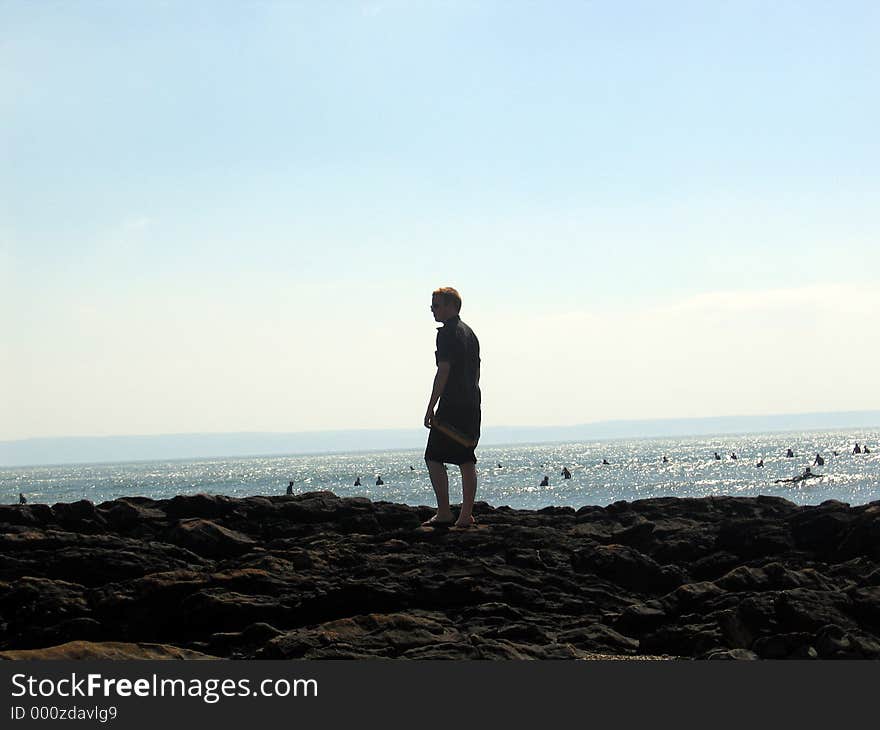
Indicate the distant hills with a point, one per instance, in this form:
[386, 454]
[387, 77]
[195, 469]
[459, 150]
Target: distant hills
[85, 449]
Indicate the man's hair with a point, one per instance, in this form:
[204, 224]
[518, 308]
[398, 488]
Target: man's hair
[448, 295]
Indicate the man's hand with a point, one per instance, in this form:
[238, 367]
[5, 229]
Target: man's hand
[440, 378]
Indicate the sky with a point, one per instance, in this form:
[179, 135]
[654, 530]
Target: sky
[230, 216]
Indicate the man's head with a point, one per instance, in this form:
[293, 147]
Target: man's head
[445, 303]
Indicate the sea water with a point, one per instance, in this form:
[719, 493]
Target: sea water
[508, 475]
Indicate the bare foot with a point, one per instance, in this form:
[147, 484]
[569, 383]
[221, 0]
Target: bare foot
[469, 522]
[439, 520]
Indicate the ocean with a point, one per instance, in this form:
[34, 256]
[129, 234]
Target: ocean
[634, 471]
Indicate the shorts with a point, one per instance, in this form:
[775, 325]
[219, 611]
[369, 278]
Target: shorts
[449, 451]
[443, 449]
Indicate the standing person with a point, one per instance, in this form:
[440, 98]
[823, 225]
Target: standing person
[455, 427]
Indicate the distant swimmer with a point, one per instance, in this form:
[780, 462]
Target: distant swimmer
[818, 461]
[808, 474]
[760, 463]
[566, 473]
[866, 450]
[290, 488]
[357, 482]
[499, 465]
[605, 462]
[379, 482]
[733, 455]
[665, 460]
[412, 468]
[545, 482]
[857, 449]
[834, 453]
[717, 458]
[21, 498]
[789, 454]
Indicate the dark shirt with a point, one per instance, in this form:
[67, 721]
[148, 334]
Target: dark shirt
[460, 401]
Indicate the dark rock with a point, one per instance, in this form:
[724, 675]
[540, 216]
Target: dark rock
[316, 576]
[208, 506]
[124, 514]
[822, 529]
[373, 634]
[79, 517]
[734, 654]
[795, 645]
[599, 638]
[114, 650]
[641, 618]
[864, 536]
[209, 539]
[627, 567]
[683, 639]
[754, 538]
[35, 515]
[810, 610]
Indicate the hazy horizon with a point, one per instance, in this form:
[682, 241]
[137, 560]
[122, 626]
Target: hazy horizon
[182, 446]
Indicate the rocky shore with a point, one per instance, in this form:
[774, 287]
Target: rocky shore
[317, 576]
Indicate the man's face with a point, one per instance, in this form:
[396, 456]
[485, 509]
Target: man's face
[442, 311]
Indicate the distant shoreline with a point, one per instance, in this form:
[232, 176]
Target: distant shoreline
[61, 451]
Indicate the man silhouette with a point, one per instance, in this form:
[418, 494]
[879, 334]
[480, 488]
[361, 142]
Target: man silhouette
[455, 427]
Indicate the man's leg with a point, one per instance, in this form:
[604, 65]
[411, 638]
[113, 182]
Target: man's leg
[468, 494]
[440, 482]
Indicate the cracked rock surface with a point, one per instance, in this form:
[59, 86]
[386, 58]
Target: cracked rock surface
[316, 576]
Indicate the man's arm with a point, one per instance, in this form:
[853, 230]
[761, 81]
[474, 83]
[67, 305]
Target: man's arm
[440, 378]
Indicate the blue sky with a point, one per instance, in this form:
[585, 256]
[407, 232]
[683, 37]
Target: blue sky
[230, 216]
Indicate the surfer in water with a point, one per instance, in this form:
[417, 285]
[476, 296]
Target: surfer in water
[808, 474]
[545, 482]
[566, 473]
[818, 461]
[760, 463]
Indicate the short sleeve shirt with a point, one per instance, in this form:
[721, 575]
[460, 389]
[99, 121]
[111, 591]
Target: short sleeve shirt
[458, 345]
